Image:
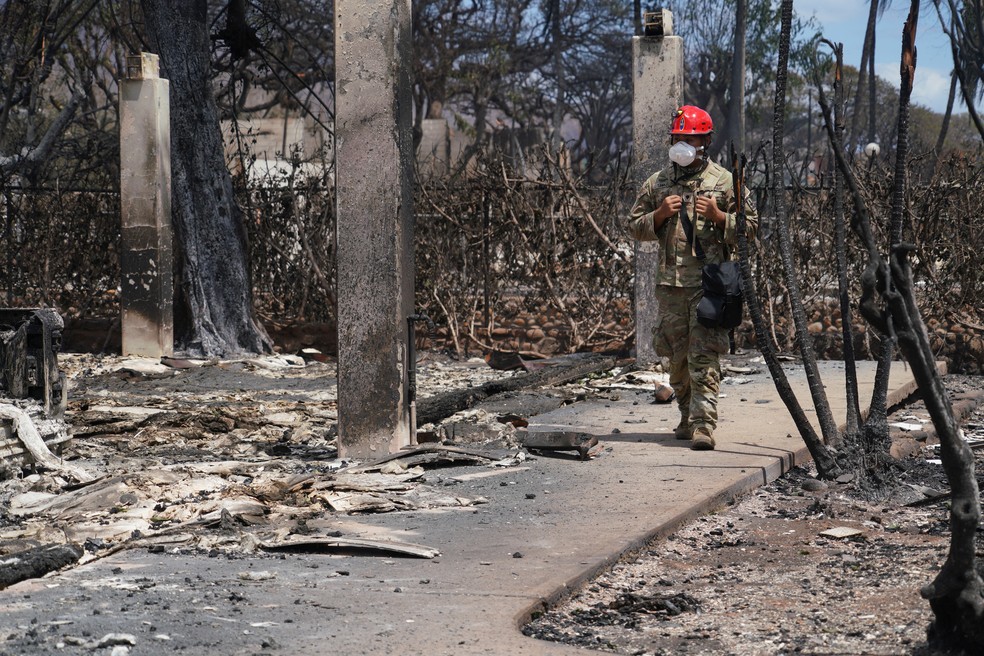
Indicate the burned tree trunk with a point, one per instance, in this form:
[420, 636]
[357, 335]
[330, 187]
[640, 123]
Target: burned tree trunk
[37, 561]
[828, 426]
[442, 406]
[866, 443]
[957, 594]
[824, 458]
[853, 422]
[214, 299]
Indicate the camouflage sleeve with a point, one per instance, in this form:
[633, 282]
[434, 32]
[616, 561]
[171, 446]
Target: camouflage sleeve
[641, 225]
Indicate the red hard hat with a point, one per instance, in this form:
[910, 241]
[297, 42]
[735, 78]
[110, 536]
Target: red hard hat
[691, 120]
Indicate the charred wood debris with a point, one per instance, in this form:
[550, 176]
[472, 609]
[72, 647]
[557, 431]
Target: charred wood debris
[240, 456]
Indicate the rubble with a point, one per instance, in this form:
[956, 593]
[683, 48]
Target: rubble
[33, 391]
[232, 456]
[583, 443]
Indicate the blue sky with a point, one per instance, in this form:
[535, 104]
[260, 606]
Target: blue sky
[844, 21]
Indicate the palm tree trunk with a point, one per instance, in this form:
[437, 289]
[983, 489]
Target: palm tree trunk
[956, 595]
[853, 420]
[867, 53]
[947, 114]
[872, 87]
[828, 426]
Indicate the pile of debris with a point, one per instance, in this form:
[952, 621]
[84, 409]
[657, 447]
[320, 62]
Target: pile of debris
[33, 391]
[241, 456]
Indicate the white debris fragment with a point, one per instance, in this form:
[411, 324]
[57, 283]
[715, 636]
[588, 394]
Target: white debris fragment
[906, 426]
[275, 362]
[114, 639]
[841, 532]
[285, 419]
[29, 503]
[262, 575]
[145, 366]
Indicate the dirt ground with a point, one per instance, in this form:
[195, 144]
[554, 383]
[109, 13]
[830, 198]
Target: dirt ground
[765, 575]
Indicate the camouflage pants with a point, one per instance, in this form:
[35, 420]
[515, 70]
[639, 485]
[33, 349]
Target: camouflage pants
[693, 351]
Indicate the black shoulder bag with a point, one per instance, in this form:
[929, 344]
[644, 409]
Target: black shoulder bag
[722, 303]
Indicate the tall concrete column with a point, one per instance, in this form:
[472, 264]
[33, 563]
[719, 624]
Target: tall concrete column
[373, 150]
[657, 91]
[147, 284]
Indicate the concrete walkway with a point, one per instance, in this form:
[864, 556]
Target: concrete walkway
[549, 525]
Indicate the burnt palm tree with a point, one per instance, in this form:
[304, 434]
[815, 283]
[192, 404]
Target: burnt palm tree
[821, 448]
[866, 72]
[948, 113]
[965, 29]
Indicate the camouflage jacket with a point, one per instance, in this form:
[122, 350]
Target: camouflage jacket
[678, 263]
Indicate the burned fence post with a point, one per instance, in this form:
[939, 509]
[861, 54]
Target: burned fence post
[147, 285]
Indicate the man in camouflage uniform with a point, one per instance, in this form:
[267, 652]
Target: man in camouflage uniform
[704, 191]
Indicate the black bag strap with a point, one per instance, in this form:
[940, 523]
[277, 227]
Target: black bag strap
[688, 229]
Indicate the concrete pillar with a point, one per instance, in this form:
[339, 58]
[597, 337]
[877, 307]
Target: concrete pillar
[147, 296]
[657, 91]
[374, 156]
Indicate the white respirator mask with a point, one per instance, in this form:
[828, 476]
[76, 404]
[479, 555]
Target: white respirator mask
[682, 153]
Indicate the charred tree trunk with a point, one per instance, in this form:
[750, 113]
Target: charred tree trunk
[826, 462]
[867, 455]
[827, 465]
[872, 89]
[828, 427]
[957, 594]
[853, 420]
[213, 294]
[558, 69]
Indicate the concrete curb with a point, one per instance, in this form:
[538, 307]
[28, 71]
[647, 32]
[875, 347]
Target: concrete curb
[751, 482]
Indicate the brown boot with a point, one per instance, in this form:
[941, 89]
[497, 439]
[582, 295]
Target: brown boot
[702, 439]
[682, 431]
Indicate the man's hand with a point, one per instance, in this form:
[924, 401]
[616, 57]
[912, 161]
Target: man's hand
[670, 206]
[708, 207]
